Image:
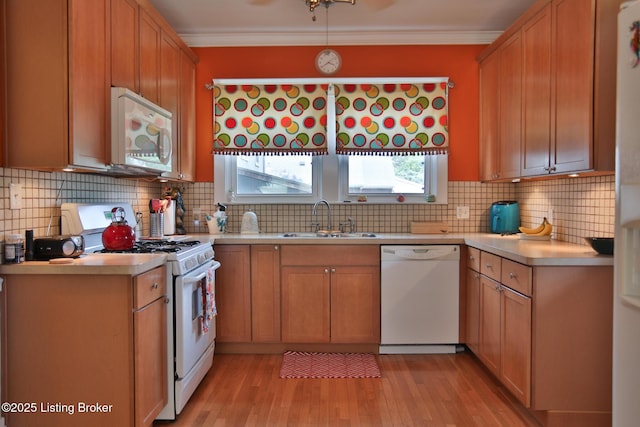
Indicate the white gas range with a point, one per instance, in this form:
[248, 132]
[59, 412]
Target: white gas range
[191, 307]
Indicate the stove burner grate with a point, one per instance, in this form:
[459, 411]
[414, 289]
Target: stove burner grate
[153, 246]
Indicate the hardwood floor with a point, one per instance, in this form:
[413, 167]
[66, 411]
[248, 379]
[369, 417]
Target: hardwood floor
[415, 390]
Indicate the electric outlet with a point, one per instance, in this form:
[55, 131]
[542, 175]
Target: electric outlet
[462, 212]
[15, 196]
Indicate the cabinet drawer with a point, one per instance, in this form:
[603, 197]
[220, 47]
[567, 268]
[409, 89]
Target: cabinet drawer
[490, 265]
[473, 259]
[516, 276]
[330, 255]
[149, 286]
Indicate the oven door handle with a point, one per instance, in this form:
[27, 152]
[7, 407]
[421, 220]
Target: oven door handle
[188, 280]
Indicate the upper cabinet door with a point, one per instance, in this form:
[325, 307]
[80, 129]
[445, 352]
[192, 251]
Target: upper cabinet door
[573, 84]
[187, 118]
[170, 92]
[536, 46]
[501, 111]
[149, 57]
[489, 111]
[510, 122]
[124, 44]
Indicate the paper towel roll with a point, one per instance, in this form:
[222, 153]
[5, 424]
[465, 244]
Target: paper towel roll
[170, 218]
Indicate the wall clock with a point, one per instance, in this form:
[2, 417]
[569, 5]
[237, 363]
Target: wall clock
[328, 61]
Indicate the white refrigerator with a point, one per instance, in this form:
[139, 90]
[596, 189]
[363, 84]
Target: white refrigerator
[626, 311]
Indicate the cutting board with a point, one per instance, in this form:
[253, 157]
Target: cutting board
[429, 227]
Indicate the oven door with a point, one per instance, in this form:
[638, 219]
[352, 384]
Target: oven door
[192, 337]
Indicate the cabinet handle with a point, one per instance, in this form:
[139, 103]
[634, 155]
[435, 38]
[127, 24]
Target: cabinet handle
[512, 275]
[154, 286]
[166, 300]
[489, 266]
[276, 247]
[497, 287]
[333, 270]
[326, 270]
[471, 258]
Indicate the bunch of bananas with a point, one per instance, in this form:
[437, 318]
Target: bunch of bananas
[544, 229]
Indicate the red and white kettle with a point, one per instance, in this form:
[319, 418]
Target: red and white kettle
[118, 236]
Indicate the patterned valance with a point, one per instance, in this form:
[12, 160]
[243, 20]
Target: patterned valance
[270, 119]
[387, 119]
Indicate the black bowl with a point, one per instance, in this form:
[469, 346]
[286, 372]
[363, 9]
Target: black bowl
[602, 245]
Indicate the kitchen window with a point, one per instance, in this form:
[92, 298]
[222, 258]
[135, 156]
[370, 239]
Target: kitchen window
[305, 179]
[344, 177]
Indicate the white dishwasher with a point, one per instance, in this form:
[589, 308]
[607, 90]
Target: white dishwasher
[420, 287]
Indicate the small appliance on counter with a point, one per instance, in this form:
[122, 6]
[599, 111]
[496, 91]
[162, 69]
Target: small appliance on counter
[504, 217]
[46, 248]
[249, 223]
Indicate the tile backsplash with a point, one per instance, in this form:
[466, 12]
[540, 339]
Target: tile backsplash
[577, 207]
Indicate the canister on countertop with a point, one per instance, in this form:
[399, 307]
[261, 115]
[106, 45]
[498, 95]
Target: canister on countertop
[14, 249]
[28, 245]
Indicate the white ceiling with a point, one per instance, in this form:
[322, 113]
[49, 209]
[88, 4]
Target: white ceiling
[368, 22]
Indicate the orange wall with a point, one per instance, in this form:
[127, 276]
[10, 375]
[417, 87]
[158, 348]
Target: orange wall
[456, 62]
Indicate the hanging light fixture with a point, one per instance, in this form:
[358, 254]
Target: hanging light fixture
[315, 3]
[326, 3]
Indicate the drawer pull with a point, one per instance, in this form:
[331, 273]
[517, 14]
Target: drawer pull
[512, 275]
[471, 258]
[154, 286]
[489, 266]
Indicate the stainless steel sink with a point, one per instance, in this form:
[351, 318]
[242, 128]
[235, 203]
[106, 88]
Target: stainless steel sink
[305, 235]
[325, 235]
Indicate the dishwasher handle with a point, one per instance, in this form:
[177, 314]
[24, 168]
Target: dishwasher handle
[419, 253]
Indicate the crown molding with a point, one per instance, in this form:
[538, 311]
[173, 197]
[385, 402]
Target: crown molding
[338, 38]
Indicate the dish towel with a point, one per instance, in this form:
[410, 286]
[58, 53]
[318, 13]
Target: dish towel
[209, 299]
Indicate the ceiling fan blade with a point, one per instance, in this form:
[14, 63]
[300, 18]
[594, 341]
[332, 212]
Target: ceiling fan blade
[378, 4]
[261, 2]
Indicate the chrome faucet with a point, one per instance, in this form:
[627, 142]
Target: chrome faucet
[315, 212]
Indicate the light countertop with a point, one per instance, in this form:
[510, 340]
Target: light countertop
[530, 252]
[534, 253]
[116, 264]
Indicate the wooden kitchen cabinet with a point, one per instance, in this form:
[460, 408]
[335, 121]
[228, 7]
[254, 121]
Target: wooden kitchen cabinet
[57, 91]
[568, 102]
[86, 339]
[187, 152]
[306, 303]
[500, 116]
[515, 340]
[489, 340]
[265, 293]
[124, 31]
[472, 303]
[233, 294]
[149, 59]
[536, 142]
[505, 323]
[330, 294]
[150, 344]
[531, 321]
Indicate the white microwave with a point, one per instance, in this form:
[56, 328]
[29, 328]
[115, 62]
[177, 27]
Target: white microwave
[141, 136]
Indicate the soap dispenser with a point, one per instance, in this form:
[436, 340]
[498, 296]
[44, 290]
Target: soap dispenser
[218, 223]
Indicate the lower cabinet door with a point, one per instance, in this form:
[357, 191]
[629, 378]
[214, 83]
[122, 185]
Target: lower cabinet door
[490, 320]
[516, 344]
[305, 304]
[355, 304]
[150, 361]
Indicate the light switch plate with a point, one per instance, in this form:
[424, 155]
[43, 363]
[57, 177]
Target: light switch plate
[15, 195]
[462, 212]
